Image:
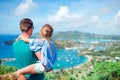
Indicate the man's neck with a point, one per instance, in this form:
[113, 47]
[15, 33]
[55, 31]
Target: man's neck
[25, 35]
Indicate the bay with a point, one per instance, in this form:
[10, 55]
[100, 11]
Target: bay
[66, 58]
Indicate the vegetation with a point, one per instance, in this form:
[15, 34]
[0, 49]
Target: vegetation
[6, 69]
[61, 75]
[112, 50]
[105, 66]
[65, 43]
[106, 71]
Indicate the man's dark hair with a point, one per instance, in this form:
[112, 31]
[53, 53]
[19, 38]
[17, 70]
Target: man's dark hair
[26, 24]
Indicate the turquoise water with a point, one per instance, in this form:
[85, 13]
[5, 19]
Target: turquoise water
[65, 58]
[68, 58]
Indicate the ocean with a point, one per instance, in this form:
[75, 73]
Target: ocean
[6, 50]
[66, 58]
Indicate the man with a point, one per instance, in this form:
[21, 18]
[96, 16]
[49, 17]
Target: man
[24, 56]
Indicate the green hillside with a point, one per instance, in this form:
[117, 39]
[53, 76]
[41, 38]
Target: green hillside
[83, 35]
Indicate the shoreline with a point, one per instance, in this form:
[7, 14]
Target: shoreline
[77, 66]
[7, 59]
[80, 65]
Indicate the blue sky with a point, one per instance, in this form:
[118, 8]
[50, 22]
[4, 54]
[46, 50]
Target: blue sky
[93, 16]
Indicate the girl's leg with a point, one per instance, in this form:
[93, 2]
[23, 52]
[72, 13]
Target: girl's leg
[27, 70]
[31, 69]
[21, 77]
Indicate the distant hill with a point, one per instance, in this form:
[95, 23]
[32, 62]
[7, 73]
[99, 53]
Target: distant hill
[83, 35]
[69, 35]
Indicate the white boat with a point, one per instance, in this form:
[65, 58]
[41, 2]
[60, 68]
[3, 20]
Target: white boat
[68, 48]
[72, 48]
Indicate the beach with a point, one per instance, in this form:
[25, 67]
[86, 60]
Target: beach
[81, 65]
[78, 66]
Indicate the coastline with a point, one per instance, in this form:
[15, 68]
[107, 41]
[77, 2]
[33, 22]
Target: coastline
[81, 65]
[7, 59]
[78, 66]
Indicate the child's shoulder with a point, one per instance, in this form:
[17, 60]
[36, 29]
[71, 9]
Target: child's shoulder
[40, 37]
[38, 40]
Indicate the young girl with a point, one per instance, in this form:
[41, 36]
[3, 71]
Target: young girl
[44, 49]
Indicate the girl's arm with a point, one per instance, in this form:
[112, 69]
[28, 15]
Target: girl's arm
[39, 55]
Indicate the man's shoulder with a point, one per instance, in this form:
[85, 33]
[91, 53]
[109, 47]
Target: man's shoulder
[20, 43]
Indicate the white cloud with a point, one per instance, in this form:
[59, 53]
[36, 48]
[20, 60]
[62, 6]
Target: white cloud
[63, 12]
[113, 26]
[24, 8]
[67, 20]
[117, 17]
[63, 20]
[116, 21]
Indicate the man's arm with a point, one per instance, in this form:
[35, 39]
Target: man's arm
[38, 53]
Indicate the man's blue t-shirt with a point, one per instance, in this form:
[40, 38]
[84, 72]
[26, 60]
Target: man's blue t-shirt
[24, 57]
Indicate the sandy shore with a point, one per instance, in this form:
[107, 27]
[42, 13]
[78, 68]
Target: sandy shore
[78, 66]
[89, 59]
